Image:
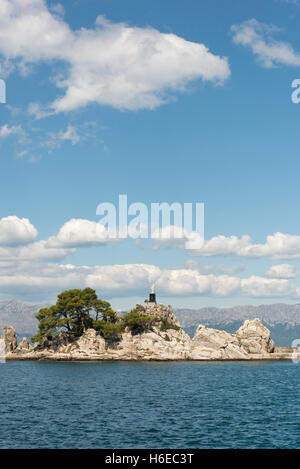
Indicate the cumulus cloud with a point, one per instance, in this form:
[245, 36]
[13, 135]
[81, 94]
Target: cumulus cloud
[16, 231]
[172, 235]
[79, 232]
[39, 251]
[131, 279]
[127, 278]
[281, 271]
[120, 280]
[258, 37]
[277, 246]
[29, 267]
[221, 245]
[213, 268]
[118, 65]
[76, 233]
[40, 283]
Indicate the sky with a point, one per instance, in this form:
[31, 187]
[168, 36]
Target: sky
[174, 101]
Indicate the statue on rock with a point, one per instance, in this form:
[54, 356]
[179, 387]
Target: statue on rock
[152, 296]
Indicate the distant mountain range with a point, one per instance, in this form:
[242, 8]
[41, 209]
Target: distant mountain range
[19, 315]
[283, 320]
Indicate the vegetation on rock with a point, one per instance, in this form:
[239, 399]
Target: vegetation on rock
[74, 312]
[77, 310]
[108, 329]
[137, 322]
[166, 325]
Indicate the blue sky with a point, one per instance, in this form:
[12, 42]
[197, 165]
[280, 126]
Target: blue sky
[163, 101]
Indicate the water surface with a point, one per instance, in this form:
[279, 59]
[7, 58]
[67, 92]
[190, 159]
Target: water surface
[149, 405]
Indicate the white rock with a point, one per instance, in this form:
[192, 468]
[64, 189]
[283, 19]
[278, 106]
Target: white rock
[254, 337]
[90, 343]
[10, 338]
[155, 345]
[215, 344]
[252, 341]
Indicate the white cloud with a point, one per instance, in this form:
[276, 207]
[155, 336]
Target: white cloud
[6, 131]
[78, 232]
[55, 139]
[259, 38]
[112, 64]
[221, 245]
[172, 235]
[213, 268]
[277, 246]
[281, 271]
[16, 231]
[260, 287]
[39, 251]
[32, 269]
[70, 134]
[34, 159]
[21, 154]
[58, 9]
[42, 284]
[27, 278]
[125, 280]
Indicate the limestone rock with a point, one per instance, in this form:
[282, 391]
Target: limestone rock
[24, 346]
[90, 343]
[254, 337]
[153, 345]
[164, 341]
[10, 338]
[161, 311]
[215, 344]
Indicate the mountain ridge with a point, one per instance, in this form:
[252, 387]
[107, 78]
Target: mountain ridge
[282, 319]
[21, 315]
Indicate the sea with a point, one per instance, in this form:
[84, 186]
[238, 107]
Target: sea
[149, 405]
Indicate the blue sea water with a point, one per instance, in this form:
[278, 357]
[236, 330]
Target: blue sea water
[149, 405]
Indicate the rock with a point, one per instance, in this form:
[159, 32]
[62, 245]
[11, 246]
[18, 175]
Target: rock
[254, 337]
[154, 345]
[90, 343]
[55, 344]
[161, 311]
[10, 338]
[214, 344]
[24, 346]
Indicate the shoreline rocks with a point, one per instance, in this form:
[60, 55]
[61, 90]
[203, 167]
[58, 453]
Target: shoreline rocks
[252, 341]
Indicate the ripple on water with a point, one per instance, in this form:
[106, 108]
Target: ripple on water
[150, 405]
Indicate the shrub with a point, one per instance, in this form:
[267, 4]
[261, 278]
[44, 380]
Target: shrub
[108, 330]
[165, 325]
[138, 323]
